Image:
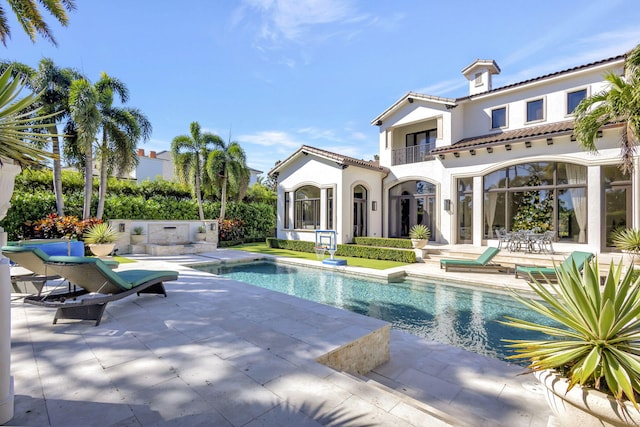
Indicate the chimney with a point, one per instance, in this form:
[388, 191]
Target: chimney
[140, 152]
[479, 75]
[152, 154]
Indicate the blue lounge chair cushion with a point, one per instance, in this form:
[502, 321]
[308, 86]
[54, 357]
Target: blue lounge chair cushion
[482, 260]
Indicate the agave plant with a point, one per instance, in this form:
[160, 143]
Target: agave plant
[598, 342]
[100, 233]
[420, 231]
[627, 240]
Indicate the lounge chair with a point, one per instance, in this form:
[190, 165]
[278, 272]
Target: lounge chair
[549, 273]
[483, 262]
[98, 284]
[33, 259]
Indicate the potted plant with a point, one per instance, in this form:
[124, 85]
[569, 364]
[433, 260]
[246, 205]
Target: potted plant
[628, 241]
[101, 239]
[419, 235]
[589, 365]
[137, 235]
[201, 234]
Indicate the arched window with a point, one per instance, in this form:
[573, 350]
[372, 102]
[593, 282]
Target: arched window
[307, 208]
[537, 196]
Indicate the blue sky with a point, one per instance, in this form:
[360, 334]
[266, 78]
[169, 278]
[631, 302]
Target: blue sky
[276, 74]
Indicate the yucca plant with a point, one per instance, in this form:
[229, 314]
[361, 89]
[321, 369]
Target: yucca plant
[100, 233]
[598, 342]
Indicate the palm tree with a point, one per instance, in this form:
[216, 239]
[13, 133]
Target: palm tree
[54, 84]
[83, 105]
[227, 168]
[31, 20]
[189, 153]
[621, 103]
[19, 136]
[122, 128]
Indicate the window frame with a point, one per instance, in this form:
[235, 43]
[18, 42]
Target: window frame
[543, 108]
[506, 117]
[566, 99]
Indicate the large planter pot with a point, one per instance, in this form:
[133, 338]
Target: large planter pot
[102, 249]
[584, 407]
[137, 239]
[419, 243]
[200, 237]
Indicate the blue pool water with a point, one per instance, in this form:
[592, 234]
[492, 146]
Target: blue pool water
[452, 315]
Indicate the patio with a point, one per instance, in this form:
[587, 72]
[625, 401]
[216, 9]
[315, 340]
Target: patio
[219, 352]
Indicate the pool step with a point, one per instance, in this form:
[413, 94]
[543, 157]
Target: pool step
[409, 409]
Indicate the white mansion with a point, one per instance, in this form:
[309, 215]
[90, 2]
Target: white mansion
[497, 158]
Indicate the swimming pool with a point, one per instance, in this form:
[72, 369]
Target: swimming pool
[441, 312]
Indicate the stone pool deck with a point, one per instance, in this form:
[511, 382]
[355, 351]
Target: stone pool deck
[217, 352]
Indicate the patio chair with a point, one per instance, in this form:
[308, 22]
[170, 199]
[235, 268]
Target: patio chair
[483, 262]
[98, 284]
[34, 269]
[504, 237]
[549, 273]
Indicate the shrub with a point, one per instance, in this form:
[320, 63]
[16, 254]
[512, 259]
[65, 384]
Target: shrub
[383, 242]
[230, 230]
[357, 251]
[54, 227]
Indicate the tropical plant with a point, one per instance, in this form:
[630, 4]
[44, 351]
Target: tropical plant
[53, 84]
[627, 240]
[202, 229]
[120, 127]
[138, 231]
[596, 341]
[30, 18]
[420, 231]
[189, 154]
[83, 105]
[619, 103]
[20, 136]
[100, 234]
[227, 169]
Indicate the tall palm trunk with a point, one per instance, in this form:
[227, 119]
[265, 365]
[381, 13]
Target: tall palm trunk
[57, 170]
[88, 180]
[102, 189]
[198, 193]
[223, 196]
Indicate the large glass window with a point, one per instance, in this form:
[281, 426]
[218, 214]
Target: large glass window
[329, 208]
[574, 98]
[307, 208]
[535, 110]
[537, 196]
[617, 201]
[465, 210]
[499, 118]
[287, 204]
[411, 202]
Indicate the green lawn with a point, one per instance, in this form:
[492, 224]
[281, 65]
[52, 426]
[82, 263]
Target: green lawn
[262, 248]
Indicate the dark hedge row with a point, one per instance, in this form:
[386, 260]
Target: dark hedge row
[358, 251]
[383, 242]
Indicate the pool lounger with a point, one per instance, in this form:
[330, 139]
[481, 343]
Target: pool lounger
[549, 273]
[483, 262]
[99, 286]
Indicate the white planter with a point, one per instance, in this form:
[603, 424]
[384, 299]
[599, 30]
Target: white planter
[137, 239]
[419, 243]
[200, 237]
[584, 407]
[102, 249]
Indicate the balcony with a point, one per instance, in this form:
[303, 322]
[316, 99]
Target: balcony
[413, 154]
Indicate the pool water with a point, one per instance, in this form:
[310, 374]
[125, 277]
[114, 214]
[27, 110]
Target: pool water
[441, 312]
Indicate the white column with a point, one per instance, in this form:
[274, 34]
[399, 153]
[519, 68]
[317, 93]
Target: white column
[8, 174]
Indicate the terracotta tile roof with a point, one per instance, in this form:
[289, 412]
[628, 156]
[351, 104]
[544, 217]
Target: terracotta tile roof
[502, 138]
[338, 158]
[546, 76]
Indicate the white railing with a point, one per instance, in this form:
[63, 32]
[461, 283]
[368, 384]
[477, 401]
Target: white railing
[413, 154]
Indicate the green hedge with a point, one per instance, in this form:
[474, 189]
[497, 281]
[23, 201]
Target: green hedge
[33, 199]
[358, 251]
[383, 242]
